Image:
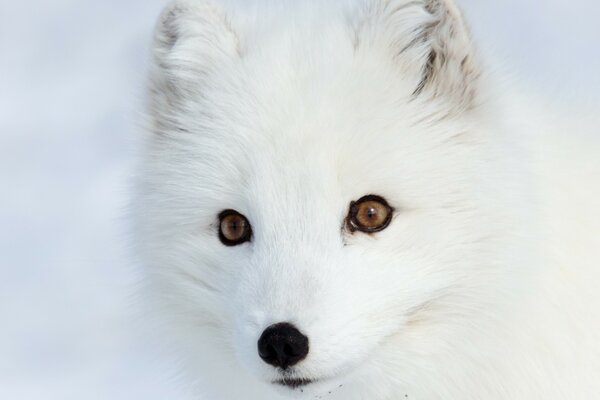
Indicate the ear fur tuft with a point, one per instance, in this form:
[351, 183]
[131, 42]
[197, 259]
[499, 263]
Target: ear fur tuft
[192, 39]
[430, 40]
[192, 35]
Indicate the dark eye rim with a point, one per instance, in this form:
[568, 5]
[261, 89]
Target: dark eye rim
[247, 235]
[353, 224]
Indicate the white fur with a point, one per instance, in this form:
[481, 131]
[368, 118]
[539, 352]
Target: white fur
[484, 286]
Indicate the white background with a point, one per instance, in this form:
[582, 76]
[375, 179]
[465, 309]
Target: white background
[71, 78]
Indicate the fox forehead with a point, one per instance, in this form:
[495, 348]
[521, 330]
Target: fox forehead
[306, 120]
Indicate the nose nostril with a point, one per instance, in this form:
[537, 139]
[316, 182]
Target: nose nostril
[282, 345]
[267, 352]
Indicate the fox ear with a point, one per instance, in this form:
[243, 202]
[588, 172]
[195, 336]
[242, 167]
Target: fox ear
[191, 37]
[431, 42]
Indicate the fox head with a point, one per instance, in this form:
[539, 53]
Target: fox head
[322, 199]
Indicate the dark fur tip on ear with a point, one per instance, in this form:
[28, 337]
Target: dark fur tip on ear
[450, 67]
[192, 40]
[429, 41]
[167, 30]
[194, 20]
[169, 25]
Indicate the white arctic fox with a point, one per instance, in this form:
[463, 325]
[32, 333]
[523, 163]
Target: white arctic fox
[338, 201]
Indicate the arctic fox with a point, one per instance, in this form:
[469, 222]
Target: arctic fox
[339, 200]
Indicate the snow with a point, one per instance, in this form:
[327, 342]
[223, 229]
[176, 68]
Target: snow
[71, 78]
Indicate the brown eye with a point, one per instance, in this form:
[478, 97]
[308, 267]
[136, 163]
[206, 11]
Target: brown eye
[369, 214]
[234, 228]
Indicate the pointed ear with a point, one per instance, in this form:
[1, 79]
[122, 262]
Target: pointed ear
[431, 43]
[191, 37]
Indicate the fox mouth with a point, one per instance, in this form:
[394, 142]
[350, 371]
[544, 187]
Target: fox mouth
[293, 383]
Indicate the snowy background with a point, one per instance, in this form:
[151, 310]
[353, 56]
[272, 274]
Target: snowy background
[71, 73]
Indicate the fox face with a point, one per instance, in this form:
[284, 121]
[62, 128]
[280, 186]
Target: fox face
[315, 200]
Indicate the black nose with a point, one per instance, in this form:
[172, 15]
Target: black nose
[282, 345]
